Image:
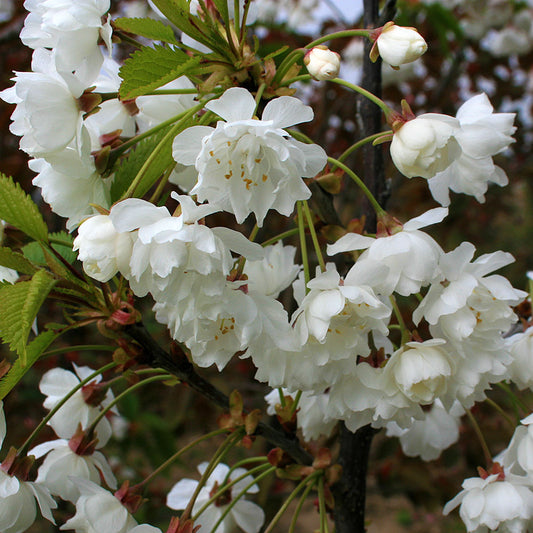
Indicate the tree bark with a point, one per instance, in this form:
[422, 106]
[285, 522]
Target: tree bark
[350, 491]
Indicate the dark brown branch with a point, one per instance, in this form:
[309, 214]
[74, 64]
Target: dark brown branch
[179, 366]
[350, 491]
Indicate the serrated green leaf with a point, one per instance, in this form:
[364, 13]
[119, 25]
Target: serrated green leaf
[20, 304]
[130, 166]
[18, 209]
[16, 261]
[222, 8]
[146, 27]
[33, 351]
[150, 68]
[177, 11]
[63, 246]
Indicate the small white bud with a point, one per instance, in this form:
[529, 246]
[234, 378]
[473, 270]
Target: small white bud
[398, 45]
[322, 63]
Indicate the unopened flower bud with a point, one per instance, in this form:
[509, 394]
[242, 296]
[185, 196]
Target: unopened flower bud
[398, 45]
[322, 63]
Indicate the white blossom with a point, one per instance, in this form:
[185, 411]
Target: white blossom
[47, 116]
[102, 249]
[425, 145]
[518, 457]
[55, 385]
[428, 437]
[61, 462]
[244, 514]
[410, 255]
[17, 503]
[275, 272]
[521, 368]
[398, 45]
[481, 135]
[494, 504]
[250, 166]
[71, 29]
[322, 63]
[98, 511]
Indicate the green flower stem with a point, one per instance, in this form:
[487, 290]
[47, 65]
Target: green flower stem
[372, 97]
[291, 58]
[281, 236]
[282, 400]
[298, 509]
[481, 438]
[80, 348]
[236, 16]
[358, 145]
[339, 35]
[258, 96]
[157, 150]
[123, 394]
[148, 133]
[23, 449]
[242, 259]
[301, 77]
[223, 449]
[406, 334]
[296, 402]
[238, 464]
[377, 208]
[174, 457]
[303, 245]
[314, 237]
[225, 486]
[309, 479]
[493, 404]
[516, 399]
[161, 185]
[240, 495]
[322, 506]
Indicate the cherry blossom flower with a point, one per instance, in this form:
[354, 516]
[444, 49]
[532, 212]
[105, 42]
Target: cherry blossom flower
[398, 45]
[275, 272]
[322, 63]
[505, 505]
[518, 457]
[250, 166]
[103, 250]
[55, 385]
[521, 349]
[3, 427]
[97, 510]
[425, 145]
[411, 256]
[471, 311]
[427, 438]
[47, 116]
[421, 370]
[62, 461]
[311, 416]
[72, 30]
[17, 503]
[244, 514]
[481, 135]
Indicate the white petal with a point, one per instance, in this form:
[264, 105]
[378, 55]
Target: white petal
[286, 111]
[433, 216]
[187, 144]
[235, 104]
[249, 516]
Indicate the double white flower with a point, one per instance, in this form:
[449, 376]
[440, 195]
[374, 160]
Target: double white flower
[250, 166]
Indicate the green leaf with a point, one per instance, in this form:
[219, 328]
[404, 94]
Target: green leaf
[20, 304]
[18, 209]
[147, 27]
[33, 352]
[16, 261]
[130, 166]
[222, 8]
[150, 68]
[177, 11]
[62, 245]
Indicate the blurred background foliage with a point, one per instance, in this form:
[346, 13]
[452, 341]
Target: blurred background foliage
[404, 494]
